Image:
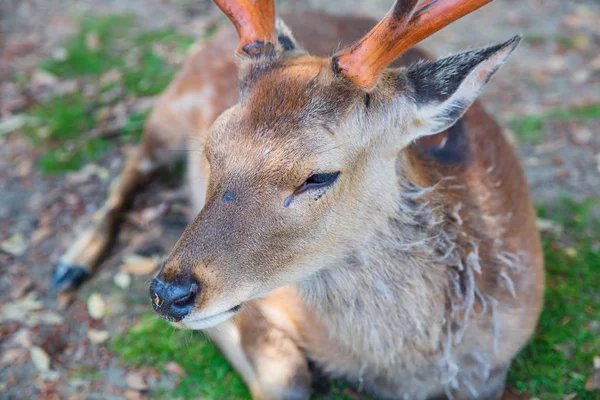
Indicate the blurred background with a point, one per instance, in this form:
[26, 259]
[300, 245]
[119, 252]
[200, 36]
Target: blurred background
[78, 78]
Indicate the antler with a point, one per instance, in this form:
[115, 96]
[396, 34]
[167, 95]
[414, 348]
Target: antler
[364, 61]
[254, 21]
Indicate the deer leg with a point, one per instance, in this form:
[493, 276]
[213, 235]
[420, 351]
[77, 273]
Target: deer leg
[82, 257]
[266, 357]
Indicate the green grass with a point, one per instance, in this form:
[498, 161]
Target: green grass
[151, 341]
[111, 32]
[72, 156]
[119, 46]
[170, 37]
[154, 342]
[86, 373]
[57, 125]
[534, 39]
[61, 124]
[559, 359]
[134, 126]
[577, 42]
[60, 118]
[530, 128]
[150, 77]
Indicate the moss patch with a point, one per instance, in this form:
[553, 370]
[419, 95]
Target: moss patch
[151, 341]
[96, 48]
[61, 125]
[154, 342]
[559, 359]
[530, 128]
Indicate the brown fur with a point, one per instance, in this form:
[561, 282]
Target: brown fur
[412, 277]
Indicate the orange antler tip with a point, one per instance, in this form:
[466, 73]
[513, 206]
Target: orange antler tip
[401, 29]
[254, 21]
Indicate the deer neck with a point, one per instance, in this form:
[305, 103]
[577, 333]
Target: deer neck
[387, 294]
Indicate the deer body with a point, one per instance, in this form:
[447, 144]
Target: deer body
[422, 277]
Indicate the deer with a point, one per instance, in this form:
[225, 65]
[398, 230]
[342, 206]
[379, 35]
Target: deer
[357, 209]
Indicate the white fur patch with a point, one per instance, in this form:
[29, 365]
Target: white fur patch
[201, 100]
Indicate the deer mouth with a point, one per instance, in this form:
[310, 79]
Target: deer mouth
[197, 323]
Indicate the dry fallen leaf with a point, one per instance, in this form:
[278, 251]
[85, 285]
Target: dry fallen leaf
[86, 173]
[547, 225]
[581, 76]
[593, 383]
[23, 166]
[110, 76]
[92, 41]
[20, 309]
[49, 376]
[96, 307]
[138, 265]
[45, 317]
[133, 395]
[136, 381]
[29, 310]
[13, 356]
[60, 54]
[122, 279]
[571, 252]
[97, 336]
[581, 135]
[43, 78]
[40, 358]
[14, 245]
[22, 338]
[43, 132]
[174, 368]
[11, 124]
[66, 87]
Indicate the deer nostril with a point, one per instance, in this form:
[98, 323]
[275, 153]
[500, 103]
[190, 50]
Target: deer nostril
[188, 299]
[174, 300]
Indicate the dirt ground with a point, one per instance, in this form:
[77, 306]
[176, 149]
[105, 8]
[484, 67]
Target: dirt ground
[556, 68]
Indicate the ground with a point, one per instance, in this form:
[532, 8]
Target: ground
[77, 79]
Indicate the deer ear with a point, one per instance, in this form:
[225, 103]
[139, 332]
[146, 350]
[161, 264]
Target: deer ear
[286, 39]
[443, 90]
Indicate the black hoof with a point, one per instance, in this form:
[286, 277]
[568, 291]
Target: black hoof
[67, 276]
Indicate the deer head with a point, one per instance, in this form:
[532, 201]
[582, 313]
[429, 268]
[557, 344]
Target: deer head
[305, 166]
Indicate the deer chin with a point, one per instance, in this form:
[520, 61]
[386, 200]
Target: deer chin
[199, 321]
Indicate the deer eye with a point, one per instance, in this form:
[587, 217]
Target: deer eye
[317, 181]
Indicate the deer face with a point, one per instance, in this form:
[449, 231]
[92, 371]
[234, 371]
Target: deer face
[301, 168]
[279, 197]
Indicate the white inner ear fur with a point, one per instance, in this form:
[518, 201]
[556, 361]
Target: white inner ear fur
[437, 117]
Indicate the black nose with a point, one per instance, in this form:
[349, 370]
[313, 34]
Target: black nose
[173, 300]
